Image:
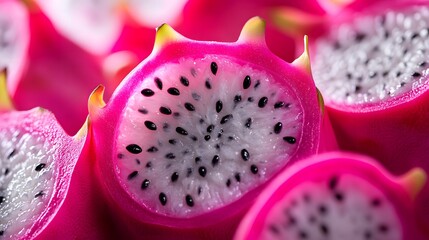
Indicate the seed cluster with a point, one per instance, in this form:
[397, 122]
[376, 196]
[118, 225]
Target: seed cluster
[329, 210]
[191, 155]
[379, 57]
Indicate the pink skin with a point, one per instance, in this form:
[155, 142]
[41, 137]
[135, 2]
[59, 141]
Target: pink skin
[393, 131]
[75, 210]
[59, 75]
[399, 191]
[217, 224]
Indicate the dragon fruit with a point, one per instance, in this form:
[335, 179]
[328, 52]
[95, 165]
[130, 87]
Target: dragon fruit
[371, 67]
[192, 135]
[46, 186]
[336, 196]
[14, 40]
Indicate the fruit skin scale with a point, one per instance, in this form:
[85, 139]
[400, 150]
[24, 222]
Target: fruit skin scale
[75, 209]
[401, 191]
[169, 47]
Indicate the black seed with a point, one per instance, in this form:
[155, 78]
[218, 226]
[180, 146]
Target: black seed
[189, 200]
[2, 198]
[200, 189]
[237, 98]
[165, 126]
[219, 106]
[208, 85]
[188, 172]
[416, 74]
[246, 82]
[226, 118]
[215, 160]
[170, 156]
[386, 34]
[202, 171]
[376, 202]
[39, 194]
[120, 155]
[143, 111]
[196, 96]
[207, 137]
[148, 164]
[217, 146]
[172, 141]
[359, 37]
[132, 175]
[6, 171]
[194, 138]
[385, 73]
[176, 115]
[422, 64]
[147, 92]
[333, 182]
[158, 83]
[186, 151]
[414, 35]
[165, 110]
[138, 161]
[201, 121]
[210, 128]
[219, 135]
[173, 91]
[262, 102]
[230, 138]
[322, 209]
[279, 104]
[250, 99]
[278, 128]
[383, 228]
[372, 74]
[134, 148]
[152, 149]
[11, 154]
[163, 198]
[324, 229]
[398, 74]
[339, 196]
[213, 68]
[358, 88]
[248, 122]
[368, 234]
[228, 182]
[1, 232]
[349, 75]
[145, 184]
[245, 154]
[174, 176]
[150, 125]
[254, 169]
[184, 81]
[197, 159]
[257, 84]
[237, 177]
[189, 107]
[290, 140]
[40, 167]
[181, 131]
[274, 229]
[303, 235]
[402, 84]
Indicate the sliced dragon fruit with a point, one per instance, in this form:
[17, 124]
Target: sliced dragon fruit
[335, 196]
[46, 186]
[93, 25]
[371, 67]
[14, 40]
[192, 134]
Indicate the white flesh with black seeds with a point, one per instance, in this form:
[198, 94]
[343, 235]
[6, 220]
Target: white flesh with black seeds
[26, 180]
[235, 128]
[340, 208]
[374, 58]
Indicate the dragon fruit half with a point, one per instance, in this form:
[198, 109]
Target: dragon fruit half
[192, 134]
[370, 64]
[47, 189]
[335, 196]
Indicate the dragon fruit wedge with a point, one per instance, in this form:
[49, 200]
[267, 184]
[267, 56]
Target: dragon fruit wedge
[370, 63]
[335, 196]
[191, 135]
[14, 40]
[46, 190]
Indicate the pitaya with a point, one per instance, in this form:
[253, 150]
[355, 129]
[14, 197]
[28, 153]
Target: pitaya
[191, 135]
[335, 196]
[370, 64]
[47, 189]
[14, 40]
